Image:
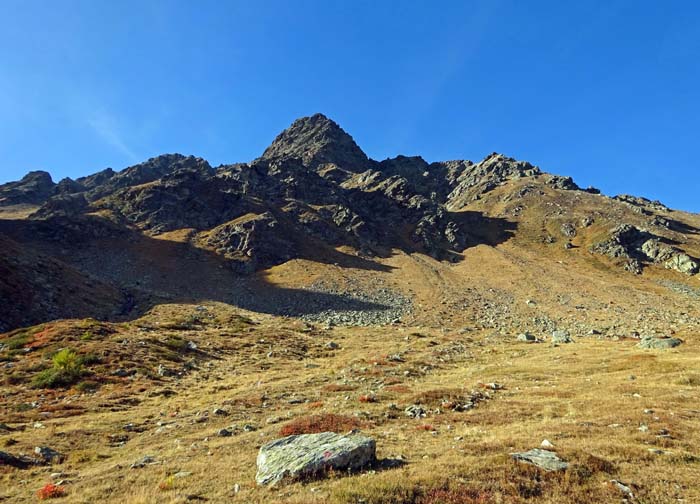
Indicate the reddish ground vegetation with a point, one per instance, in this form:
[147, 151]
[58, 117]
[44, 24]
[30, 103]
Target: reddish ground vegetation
[320, 423]
[50, 491]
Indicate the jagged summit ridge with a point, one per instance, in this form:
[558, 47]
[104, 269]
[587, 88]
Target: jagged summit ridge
[315, 197]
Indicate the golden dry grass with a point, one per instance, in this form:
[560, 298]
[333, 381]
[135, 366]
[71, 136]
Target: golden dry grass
[588, 398]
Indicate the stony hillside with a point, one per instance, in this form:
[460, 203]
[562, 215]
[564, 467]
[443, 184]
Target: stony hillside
[319, 289]
[314, 201]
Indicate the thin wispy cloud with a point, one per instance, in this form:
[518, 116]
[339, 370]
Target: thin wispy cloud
[106, 127]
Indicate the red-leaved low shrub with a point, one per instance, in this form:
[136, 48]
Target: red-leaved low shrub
[51, 491]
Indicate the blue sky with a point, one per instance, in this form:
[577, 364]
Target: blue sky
[607, 91]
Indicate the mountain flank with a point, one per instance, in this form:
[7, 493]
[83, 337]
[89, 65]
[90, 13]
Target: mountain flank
[177, 332]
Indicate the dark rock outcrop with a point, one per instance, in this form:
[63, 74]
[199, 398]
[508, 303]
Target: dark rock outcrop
[312, 189]
[34, 188]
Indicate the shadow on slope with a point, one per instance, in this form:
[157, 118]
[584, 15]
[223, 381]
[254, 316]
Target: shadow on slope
[145, 271]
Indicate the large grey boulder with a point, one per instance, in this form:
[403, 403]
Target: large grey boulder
[652, 343]
[310, 455]
[544, 459]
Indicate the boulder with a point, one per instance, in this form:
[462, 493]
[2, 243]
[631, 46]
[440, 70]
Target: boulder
[561, 337]
[653, 343]
[415, 411]
[683, 263]
[310, 455]
[544, 459]
[527, 338]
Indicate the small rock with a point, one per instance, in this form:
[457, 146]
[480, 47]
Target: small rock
[624, 489]
[224, 433]
[415, 411]
[332, 345]
[163, 371]
[656, 451]
[143, 462]
[49, 455]
[546, 444]
[543, 459]
[527, 338]
[219, 412]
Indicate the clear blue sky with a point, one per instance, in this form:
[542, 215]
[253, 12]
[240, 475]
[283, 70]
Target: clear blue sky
[606, 91]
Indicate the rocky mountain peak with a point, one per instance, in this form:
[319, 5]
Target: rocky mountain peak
[318, 140]
[33, 188]
[38, 177]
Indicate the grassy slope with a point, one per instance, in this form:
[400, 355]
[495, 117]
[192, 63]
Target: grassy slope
[582, 397]
[588, 398]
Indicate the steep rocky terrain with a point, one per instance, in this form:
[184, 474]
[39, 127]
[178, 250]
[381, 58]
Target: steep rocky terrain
[314, 200]
[317, 281]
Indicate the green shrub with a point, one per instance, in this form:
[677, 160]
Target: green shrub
[68, 362]
[67, 369]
